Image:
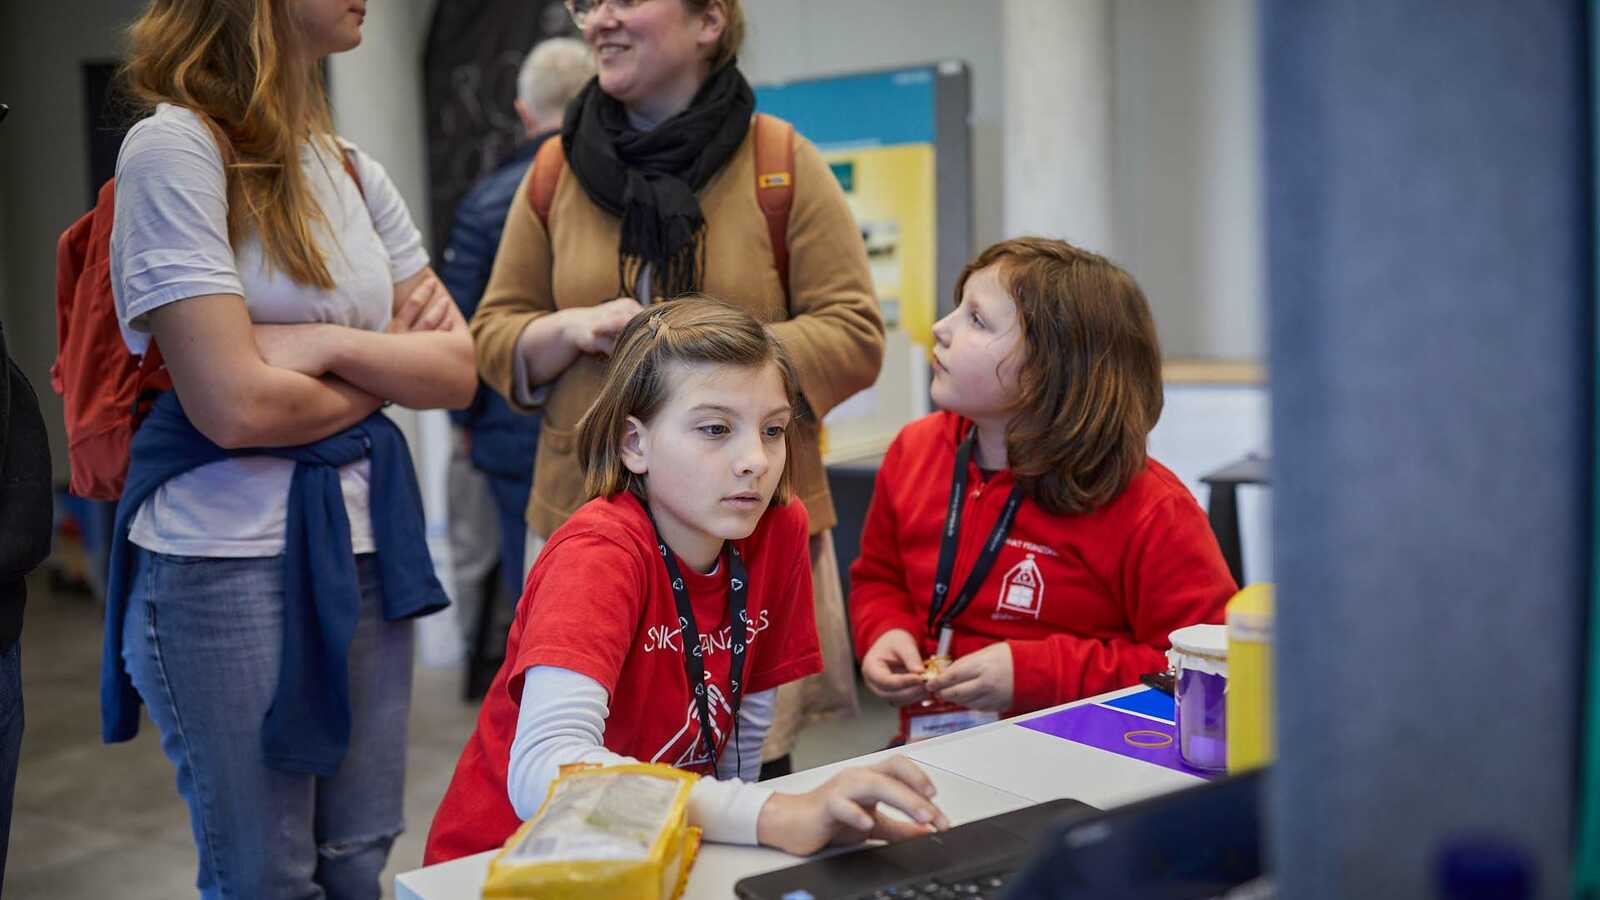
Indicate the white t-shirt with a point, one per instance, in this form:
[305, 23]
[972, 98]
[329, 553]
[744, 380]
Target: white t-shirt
[169, 242]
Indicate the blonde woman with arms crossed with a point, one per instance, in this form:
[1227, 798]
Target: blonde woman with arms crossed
[268, 551]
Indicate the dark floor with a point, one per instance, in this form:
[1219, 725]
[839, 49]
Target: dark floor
[95, 821]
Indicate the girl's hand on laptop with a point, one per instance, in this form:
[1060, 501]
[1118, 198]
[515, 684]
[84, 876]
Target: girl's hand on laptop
[844, 810]
[982, 680]
[892, 668]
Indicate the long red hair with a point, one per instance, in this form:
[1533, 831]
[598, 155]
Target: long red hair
[1089, 383]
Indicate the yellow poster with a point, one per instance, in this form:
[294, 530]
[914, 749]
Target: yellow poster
[891, 192]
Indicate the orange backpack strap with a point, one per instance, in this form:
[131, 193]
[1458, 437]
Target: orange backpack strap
[548, 164]
[775, 185]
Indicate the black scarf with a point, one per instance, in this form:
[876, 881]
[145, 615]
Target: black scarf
[649, 178]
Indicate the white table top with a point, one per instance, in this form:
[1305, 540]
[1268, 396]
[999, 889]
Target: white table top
[981, 772]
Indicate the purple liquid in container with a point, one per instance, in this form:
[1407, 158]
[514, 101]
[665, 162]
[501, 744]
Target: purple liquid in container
[1202, 719]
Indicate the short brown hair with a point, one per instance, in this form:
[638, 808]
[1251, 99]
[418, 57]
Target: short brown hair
[732, 29]
[1089, 383]
[693, 330]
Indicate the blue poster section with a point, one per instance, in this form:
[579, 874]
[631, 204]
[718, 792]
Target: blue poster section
[873, 110]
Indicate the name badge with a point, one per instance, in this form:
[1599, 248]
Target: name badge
[938, 718]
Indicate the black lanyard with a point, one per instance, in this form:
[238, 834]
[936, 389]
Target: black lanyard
[693, 664]
[951, 537]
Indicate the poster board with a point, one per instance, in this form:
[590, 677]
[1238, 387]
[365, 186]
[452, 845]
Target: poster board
[899, 142]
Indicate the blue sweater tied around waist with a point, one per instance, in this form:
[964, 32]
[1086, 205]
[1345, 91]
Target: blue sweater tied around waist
[307, 728]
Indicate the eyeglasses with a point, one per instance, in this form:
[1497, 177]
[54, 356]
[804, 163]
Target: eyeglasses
[583, 12]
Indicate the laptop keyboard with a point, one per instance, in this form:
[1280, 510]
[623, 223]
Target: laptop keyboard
[988, 886]
[992, 886]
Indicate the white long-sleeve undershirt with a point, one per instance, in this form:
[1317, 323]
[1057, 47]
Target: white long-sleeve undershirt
[562, 721]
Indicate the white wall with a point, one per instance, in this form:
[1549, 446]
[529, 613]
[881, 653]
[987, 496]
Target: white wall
[1232, 272]
[1205, 427]
[792, 39]
[1183, 171]
[1186, 171]
[44, 164]
[376, 91]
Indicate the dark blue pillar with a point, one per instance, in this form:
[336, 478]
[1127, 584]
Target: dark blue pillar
[1429, 255]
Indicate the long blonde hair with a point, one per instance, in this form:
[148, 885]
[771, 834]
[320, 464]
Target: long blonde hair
[232, 63]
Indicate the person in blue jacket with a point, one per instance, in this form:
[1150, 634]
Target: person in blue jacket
[491, 465]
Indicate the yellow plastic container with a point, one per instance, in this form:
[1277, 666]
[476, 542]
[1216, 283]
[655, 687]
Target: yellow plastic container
[1251, 742]
[612, 833]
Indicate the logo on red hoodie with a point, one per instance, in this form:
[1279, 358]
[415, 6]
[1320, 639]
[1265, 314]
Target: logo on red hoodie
[1021, 591]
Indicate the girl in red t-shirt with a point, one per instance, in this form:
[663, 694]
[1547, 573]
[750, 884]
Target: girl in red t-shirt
[1021, 550]
[690, 541]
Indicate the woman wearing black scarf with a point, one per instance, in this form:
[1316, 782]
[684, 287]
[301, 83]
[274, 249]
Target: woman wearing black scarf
[657, 197]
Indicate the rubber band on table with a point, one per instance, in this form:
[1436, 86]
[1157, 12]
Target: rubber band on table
[1162, 739]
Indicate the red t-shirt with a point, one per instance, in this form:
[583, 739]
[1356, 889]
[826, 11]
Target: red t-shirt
[598, 602]
[1085, 601]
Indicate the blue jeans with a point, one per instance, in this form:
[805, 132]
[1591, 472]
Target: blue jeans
[202, 642]
[10, 741]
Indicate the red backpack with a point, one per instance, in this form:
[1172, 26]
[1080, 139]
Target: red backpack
[105, 389]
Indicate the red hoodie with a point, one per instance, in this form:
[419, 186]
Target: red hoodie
[1085, 601]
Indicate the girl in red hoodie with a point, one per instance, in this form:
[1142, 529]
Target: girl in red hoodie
[1021, 549]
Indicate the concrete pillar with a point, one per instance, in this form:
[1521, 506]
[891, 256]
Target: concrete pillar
[1228, 229]
[1058, 61]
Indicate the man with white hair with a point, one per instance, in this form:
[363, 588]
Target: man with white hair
[491, 467]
